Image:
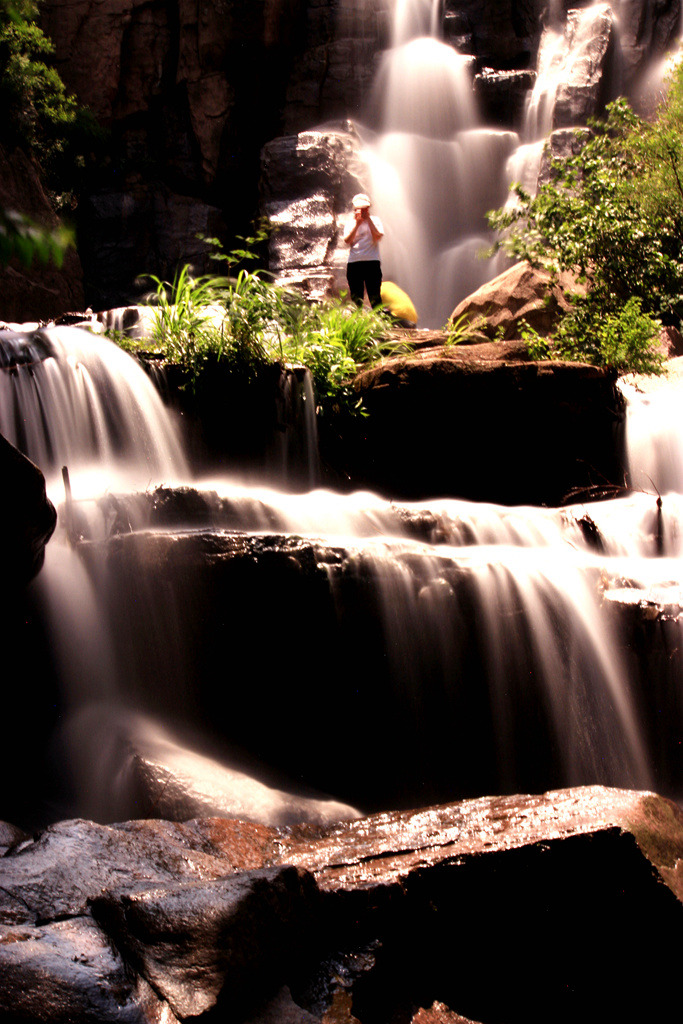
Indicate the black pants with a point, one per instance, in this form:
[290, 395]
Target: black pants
[365, 274]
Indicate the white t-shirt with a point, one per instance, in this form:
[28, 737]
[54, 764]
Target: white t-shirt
[363, 247]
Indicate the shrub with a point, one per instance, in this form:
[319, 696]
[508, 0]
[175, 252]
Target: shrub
[613, 215]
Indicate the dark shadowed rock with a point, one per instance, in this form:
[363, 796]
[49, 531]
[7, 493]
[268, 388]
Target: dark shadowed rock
[502, 34]
[197, 942]
[27, 517]
[503, 95]
[488, 403]
[282, 1009]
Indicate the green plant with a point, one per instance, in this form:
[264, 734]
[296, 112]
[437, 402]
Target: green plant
[39, 116]
[536, 344]
[334, 341]
[465, 329]
[22, 237]
[624, 340]
[185, 324]
[246, 323]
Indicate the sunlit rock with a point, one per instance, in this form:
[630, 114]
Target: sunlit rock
[521, 295]
[307, 183]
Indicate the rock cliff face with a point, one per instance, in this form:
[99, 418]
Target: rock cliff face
[189, 94]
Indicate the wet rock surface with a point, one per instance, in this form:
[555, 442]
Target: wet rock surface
[400, 916]
[307, 182]
[585, 66]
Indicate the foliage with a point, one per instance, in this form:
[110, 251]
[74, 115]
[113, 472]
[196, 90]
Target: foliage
[38, 113]
[23, 238]
[612, 215]
[39, 116]
[333, 341]
[247, 324]
[624, 340]
[537, 346]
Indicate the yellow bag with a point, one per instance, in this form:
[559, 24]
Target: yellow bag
[396, 302]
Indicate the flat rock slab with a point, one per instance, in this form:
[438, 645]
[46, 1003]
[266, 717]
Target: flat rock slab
[384, 849]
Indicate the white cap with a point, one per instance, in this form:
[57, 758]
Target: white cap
[361, 201]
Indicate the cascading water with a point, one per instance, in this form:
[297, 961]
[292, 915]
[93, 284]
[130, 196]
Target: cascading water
[442, 650]
[434, 169]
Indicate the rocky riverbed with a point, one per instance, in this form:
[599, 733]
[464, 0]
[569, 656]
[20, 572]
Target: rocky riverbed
[563, 906]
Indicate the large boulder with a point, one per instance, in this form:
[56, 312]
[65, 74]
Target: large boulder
[414, 912]
[521, 295]
[520, 432]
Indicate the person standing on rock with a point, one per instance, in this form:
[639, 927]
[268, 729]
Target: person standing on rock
[364, 270]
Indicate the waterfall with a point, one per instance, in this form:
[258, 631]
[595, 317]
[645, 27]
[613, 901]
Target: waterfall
[438, 649]
[71, 398]
[435, 169]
